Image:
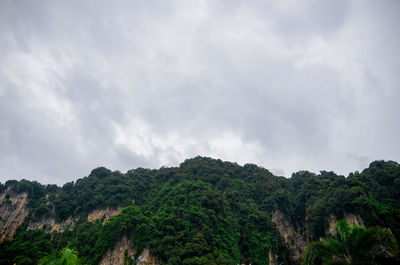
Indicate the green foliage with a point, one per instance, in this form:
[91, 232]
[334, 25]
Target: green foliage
[26, 248]
[205, 211]
[66, 256]
[352, 245]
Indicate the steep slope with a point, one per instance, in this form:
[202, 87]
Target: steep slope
[13, 211]
[205, 211]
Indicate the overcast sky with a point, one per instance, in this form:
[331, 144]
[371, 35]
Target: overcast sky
[289, 85]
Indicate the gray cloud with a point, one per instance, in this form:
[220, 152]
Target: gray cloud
[287, 85]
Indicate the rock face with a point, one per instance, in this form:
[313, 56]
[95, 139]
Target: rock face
[271, 257]
[146, 259]
[13, 211]
[293, 238]
[117, 256]
[124, 250]
[49, 224]
[296, 239]
[352, 219]
[99, 213]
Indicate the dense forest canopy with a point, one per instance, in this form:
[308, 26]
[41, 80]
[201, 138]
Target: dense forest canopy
[205, 211]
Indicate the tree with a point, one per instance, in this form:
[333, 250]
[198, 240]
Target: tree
[66, 257]
[352, 245]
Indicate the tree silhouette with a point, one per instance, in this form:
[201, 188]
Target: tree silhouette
[352, 245]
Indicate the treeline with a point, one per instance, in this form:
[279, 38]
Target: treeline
[205, 211]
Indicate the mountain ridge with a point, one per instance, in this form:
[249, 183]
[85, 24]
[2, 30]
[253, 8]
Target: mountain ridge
[205, 211]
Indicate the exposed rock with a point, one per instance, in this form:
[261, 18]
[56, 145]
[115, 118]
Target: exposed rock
[292, 237]
[332, 224]
[49, 224]
[124, 250]
[354, 219]
[350, 218]
[46, 224]
[271, 257]
[381, 251]
[13, 211]
[107, 213]
[146, 259]
[118, 254]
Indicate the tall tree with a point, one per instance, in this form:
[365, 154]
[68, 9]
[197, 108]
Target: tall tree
[66, 256]
[352, 245]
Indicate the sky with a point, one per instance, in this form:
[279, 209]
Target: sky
[288, 85]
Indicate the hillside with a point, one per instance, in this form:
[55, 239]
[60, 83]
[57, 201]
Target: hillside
[205, 211]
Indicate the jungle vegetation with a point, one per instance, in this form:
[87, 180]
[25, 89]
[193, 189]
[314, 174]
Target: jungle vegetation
[206, 211]
[352, 245]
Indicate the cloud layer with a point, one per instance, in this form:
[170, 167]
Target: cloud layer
[288, 85]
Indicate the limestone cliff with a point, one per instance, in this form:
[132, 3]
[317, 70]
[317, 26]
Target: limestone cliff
[271, 258]
[49, 224]
[13, 211]
[146, 259]
[350, 218]
[124, 250]
[296, 241]
[107, 213]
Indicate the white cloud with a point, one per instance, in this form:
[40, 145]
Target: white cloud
[283, 84]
